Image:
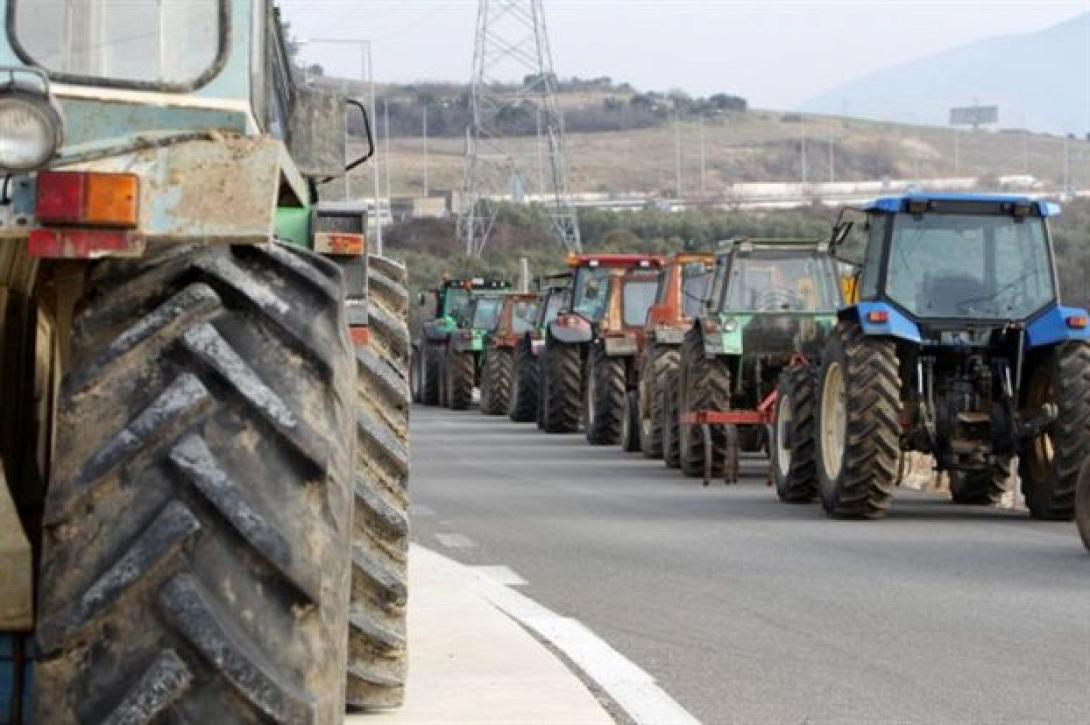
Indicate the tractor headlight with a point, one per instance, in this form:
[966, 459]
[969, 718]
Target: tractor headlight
[30, 132]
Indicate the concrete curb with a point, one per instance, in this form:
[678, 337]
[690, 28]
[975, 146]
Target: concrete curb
[470, 663]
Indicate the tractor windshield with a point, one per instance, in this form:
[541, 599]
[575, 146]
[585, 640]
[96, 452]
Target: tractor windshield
[457, 305]
[523, 317]
[158, 42]
[591, 294]
[969, 266]
[637, 297]
[486, 313]
[558, 299]
[695, 279]
[782, 282]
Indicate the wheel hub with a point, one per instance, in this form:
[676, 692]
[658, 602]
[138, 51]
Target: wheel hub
[834, 420]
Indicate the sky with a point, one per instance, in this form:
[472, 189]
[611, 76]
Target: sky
[775, 53]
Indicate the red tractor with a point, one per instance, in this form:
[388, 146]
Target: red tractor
[679, 300]
[517, 318]
[592, 344]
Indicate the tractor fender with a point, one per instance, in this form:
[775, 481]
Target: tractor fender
[436, 331]
[880, 319]
[571, 329]
[1052, 327]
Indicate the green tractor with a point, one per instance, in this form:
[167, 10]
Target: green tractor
[772, 303]
[447, 352]
[204, 429]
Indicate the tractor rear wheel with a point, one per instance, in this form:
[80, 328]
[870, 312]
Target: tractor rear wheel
[377, 654]
[524, 385]
[703, 384]
[496, 381]
[981, 488]
[659, 367]
[195, 562]
[561, 400]
[792, 449]
[630, 423]
[460, 370]
[1082, 504]
[603, 405]
[858, 423]
[1049, 464]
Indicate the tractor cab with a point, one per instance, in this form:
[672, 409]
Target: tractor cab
[452, 304]
[592, 279]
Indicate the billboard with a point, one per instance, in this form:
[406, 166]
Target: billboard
[974, 116]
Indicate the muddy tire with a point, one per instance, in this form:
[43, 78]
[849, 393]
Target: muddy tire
[524, 385]
[703, 384]
[431, 371]
[794, 467]
[660, 366]
[630, 423]
[459, 371]
[562, 394]
[671, 426]
[980, 488]
[198, 525]
[858, 423]
[1049, 465]
[604, 398]
[377, 655]
[496, 381]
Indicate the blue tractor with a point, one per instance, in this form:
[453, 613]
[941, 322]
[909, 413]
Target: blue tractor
[955, 344]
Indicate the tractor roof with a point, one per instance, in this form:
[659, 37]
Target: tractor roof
[477, 284]
[745, 244]
[691, 258]
[615, 261]
[965, 204]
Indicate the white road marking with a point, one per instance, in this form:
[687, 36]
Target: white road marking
[500, 575]
[633, 689]
[455, 541]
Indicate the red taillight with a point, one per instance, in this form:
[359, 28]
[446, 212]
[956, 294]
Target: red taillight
[361, 335]
[878, 317]
[87, 199]
[1077, 322]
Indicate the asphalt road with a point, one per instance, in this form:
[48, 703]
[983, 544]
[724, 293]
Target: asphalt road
[748, 610]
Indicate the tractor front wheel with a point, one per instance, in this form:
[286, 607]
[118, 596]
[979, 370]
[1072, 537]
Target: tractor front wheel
[660, 368]
[630, 423]
[981, 488]
[792, 448]
[858, 423]
[431, 368]
[460, 370]
[1049, 464]
[603, 407]
[1082, 504]
[561, 399]
[496, 382]
[524, 385]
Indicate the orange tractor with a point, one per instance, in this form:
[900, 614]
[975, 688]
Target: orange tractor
[592, 346]
[682, 290]
[517, 317]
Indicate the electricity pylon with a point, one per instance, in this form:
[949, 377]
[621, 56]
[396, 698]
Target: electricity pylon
[514, 97]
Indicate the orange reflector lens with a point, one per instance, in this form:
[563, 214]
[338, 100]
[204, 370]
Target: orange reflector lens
[1078, 322]
[339, 244]
[878, 317]
[361, 336]
[110, 200]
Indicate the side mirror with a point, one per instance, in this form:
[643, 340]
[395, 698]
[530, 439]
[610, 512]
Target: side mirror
[840, 233]
[318, 125]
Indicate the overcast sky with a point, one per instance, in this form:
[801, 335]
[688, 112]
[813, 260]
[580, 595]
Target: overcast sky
[776, 53]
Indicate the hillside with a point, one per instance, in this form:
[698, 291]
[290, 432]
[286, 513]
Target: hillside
[1039, 80]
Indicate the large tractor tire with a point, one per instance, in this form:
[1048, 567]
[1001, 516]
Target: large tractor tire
[981, 488]
[604, 400]
[703, 384]
[195, 562]
[460, 370]
[671, 424]
[562, 394]
[858, 423]
[793, 444]
[1082, 504]
[377, 655]
[630, 425]
[660, 366]
[431, 374]
[524, 385]
[1049, 465]
[496, 381]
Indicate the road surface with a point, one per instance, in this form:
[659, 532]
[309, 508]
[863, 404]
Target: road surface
[748, 610]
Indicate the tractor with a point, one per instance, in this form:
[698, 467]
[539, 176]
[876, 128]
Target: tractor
[203, 435]
[525, 389]
[584, 365]
[463, 363]
[517, 318]
[678, 302]
[771, 302]
[447, 313]
[957, 346]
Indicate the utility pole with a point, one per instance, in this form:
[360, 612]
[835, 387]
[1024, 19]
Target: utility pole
[389, 167]
[703, 163]
[512, 41]
[957, 152]
[832, 159]
[677, 152]
[426, 189]
[1067, 164]
[802, 147]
